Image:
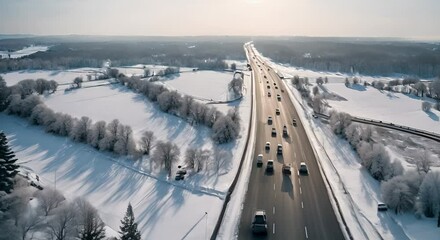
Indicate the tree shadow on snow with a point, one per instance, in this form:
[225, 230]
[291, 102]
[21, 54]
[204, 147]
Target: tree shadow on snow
[432, 115]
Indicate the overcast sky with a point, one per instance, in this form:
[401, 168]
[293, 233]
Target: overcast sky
[359, 18]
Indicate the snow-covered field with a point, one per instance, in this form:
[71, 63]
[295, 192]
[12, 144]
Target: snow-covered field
[204, 84]
[24, 52]
[357, 192]
[165, 209]
[61, 77]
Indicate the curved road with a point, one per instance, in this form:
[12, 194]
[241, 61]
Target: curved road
[297, 206]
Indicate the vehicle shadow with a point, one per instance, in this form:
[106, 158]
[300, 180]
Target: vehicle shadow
[287, 186]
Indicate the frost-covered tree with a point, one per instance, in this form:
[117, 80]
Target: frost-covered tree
[429, 195]
[147, 141]
[108, 142]
[319, 81]
[233, 66]
[165, 154]
[185, 108]
[169, 101]
[81, 129]
[8, 167]
[78, 81]
[236, 86]
[63, 223]
[49, 199]
[190, 156]
[129, 230]
[318, 104]
[397, 195]
[423, 161]
[355, 80]
[125, 143]
[198, 111]
[97, 133]
[225, 130]
[420, 88]
[339, 122]
[4, 94]
[347, 82]
[89, 224]
[234, 114]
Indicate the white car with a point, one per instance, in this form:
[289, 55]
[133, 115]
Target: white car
[267, 145]
[303, 168]
[260, 160]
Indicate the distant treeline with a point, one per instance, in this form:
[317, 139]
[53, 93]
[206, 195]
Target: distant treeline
[63, 54]
[363, 56]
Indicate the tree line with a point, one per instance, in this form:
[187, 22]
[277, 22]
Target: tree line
[416, 191]
[225, 128]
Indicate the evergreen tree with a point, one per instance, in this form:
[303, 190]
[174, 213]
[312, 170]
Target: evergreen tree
[8, 168]
[128, 230]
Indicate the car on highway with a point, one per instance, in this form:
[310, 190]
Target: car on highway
[274, 132]
[264, 76]
[260, 160]
[269, 120]
[294, 121]
[279, 149]
[268, 86]
[279, 97]
[267, 82]
[267, 146]
[314, 115]
[276, 87]
[269, 166]
[277, 111]
[382, 207]
[259, 222]
[268, 94]
[285, 133]
[287, 169]
[303, 168]
[274, 83]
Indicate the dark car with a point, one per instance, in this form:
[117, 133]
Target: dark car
[303, 168]
[259, 223]
[269, 166]
[279, 149]
[287, 169]
[274, 132]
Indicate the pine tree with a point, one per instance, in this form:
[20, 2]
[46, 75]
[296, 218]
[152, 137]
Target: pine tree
[8, 168]
[128, 230]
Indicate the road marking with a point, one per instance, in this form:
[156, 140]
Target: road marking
[297, 173]
[302, 204]
[299, 180]
[307, 235]
[273, 228]
[274, 210]
[274, 186]
[300, 191]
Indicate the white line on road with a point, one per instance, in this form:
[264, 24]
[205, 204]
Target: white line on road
[302, 204]
[300, 191]
[274, 186]
[299, 180]
[307, 235]
[273, 210]
[273, 228]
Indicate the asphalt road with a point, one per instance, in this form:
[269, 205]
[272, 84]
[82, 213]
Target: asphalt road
[297, 206]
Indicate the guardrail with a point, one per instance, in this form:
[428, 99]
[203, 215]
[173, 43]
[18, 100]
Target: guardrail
[414, 131]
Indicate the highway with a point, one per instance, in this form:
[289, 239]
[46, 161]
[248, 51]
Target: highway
[297, 206]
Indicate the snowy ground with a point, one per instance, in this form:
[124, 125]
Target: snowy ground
[356, 191]
[24, 52]
[61, 76]
[109, 183]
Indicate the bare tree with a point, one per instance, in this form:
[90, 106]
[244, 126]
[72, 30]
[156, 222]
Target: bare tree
[190, 156]
[78, 81]
[421, 88]
[108, 142]
[125, 143]
[90, 225]
[97, 133]
[62, 225]
[49, 199]
[315, 90]
[225, 130]
[429, 195]
[339, 122]
[29, 221]
[147, 141]
[81, 129]
[318, 104]
[423, 162]
[319, 81]
[201, 158]
[165, 154]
